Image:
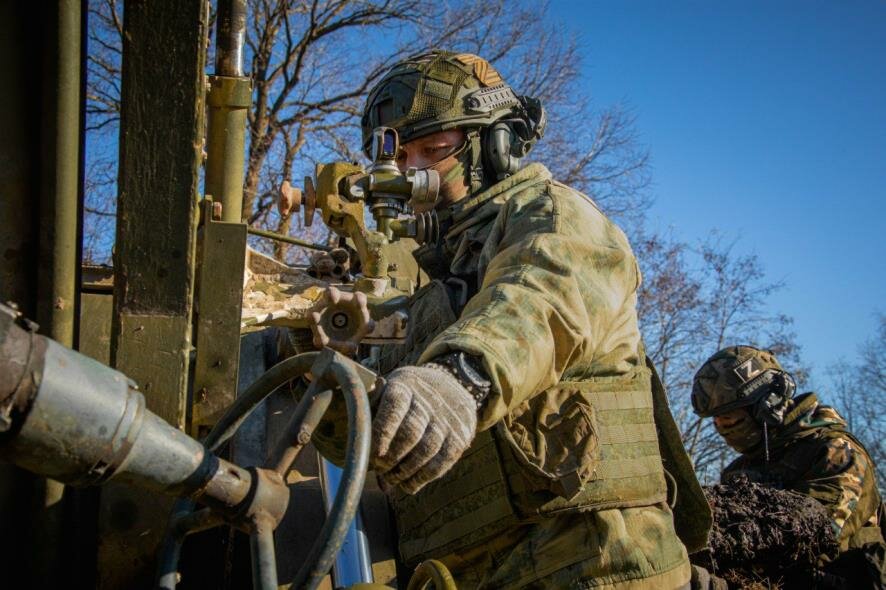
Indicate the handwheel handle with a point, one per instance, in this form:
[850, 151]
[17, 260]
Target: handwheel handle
[328, 368]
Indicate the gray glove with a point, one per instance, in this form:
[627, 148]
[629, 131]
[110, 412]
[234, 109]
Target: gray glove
[424, 422]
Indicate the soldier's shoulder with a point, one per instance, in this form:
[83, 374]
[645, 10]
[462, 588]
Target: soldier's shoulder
[544, 203]
[540, 189]
[838, 453]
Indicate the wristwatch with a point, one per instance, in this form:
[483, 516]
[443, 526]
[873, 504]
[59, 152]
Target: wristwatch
[469, 371]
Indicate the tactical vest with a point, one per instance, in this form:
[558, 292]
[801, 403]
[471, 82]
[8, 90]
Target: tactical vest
[599, 449]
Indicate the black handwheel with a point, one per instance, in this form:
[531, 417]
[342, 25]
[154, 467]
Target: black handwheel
[328, 370]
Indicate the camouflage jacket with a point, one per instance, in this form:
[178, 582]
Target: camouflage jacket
[547, 299]
[813, 454]
[553, 289]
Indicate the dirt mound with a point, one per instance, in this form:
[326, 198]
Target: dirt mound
[763, 537]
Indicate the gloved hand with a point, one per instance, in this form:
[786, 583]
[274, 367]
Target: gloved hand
[424, 422]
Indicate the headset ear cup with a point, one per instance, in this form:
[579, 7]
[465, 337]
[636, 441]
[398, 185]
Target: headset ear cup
[497, 144]
[771, 407]
[790, 386]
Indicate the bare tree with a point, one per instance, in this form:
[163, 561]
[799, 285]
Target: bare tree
[103, 69]
[858, 389]
[693, 302]
[312, 62]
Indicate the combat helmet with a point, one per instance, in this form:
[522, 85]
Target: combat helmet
[741, 376]
[440, 90]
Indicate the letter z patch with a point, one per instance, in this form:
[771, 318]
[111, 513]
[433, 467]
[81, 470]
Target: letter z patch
[748, 369]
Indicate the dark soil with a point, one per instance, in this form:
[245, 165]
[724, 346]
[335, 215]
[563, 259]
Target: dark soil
[763, 537]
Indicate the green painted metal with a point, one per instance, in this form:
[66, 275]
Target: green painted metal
[228, 101]
[39, 165]
[161, 131]
[57, 278]
[222, 261]
[95, 326]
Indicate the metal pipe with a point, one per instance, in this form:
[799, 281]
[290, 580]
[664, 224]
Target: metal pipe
[289, 240]
[264, 559]
[433, 572]
[264, 386]
[59, 192]
[229, 99]
[182, 522]
[298, 431]
[230, 37]
[353, 564]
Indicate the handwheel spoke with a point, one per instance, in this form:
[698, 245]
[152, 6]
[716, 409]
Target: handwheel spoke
[304, 420]
[264, 559]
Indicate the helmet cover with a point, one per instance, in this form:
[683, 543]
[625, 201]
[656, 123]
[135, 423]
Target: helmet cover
[725, 380]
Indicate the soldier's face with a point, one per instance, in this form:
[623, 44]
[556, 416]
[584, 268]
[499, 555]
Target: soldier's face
[441, 151]
[739, 429]
[730, 419]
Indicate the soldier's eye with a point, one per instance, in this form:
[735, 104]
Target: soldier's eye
[438, 151]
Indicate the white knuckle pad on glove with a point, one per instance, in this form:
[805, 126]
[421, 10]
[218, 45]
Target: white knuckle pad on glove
[425, 421]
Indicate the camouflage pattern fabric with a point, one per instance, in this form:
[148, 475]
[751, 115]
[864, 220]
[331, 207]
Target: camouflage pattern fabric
[550, 308]
[571, 551]
[558, 290]
[813, 454]
[552, 286]
[718, 384]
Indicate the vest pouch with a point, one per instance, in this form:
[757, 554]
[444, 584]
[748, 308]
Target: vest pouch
[584, 445]
[554, 436]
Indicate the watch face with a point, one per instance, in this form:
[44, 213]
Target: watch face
[470, 373]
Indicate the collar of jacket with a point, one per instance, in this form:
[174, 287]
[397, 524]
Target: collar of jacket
[805, 417]
[481, 207]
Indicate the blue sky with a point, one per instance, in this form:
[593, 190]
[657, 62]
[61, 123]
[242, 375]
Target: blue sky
[767, 121]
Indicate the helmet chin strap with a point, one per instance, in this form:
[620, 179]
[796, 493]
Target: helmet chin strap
[475, 170]
[766, 441]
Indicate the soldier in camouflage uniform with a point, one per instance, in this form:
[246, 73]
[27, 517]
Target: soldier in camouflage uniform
[519, 431]
[798, 444]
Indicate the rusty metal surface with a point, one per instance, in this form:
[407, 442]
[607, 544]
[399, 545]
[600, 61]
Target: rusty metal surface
[22, 356]
[40, 110]
[347, 500]
[230, 37]
[341, 320]
[264, 557]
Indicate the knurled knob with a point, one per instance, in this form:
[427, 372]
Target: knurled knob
[341, 320]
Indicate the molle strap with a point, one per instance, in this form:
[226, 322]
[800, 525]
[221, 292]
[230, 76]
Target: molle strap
[621, 468]
[465, 507]
[496, 484]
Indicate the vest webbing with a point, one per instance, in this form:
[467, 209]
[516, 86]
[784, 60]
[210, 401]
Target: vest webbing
[495, 486]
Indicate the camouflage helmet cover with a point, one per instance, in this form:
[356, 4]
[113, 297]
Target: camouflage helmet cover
[719, 385]
[436, 91]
